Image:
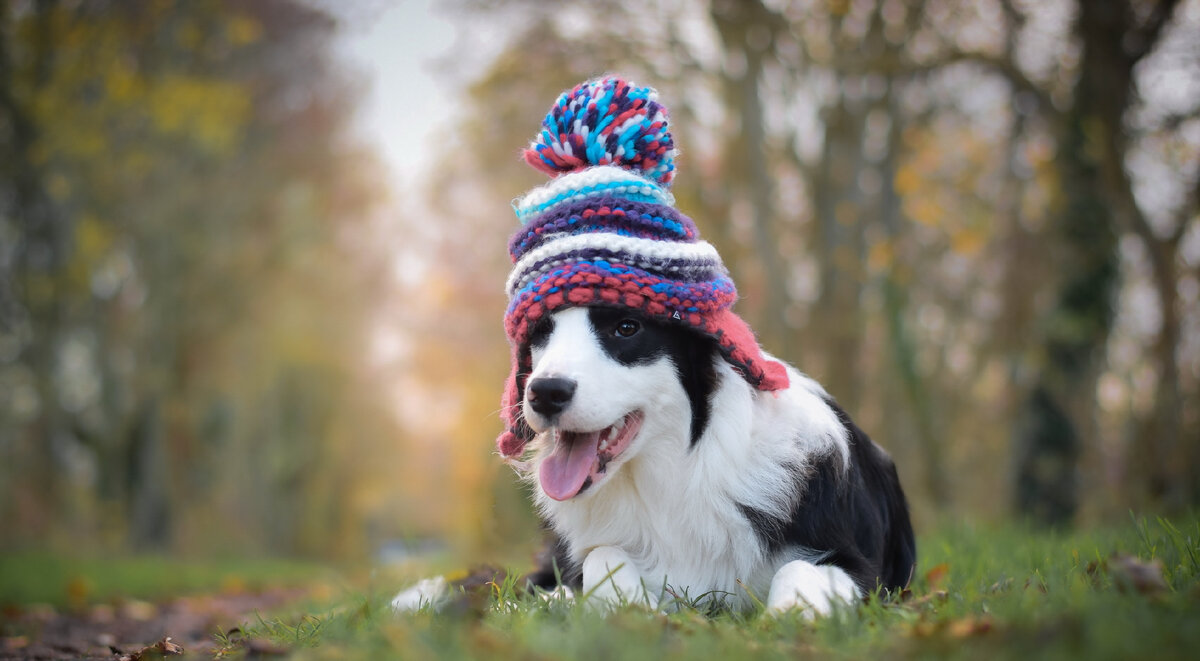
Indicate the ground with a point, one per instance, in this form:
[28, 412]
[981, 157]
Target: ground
[1129, 591]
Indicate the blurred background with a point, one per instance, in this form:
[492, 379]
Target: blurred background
[252, 253]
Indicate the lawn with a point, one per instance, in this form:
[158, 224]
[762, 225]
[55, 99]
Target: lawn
[1131, 591]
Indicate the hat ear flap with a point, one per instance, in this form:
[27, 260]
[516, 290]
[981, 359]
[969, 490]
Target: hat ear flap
[511, 442]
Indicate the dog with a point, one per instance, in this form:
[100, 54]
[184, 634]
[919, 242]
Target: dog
[664, 476]
[675, 461]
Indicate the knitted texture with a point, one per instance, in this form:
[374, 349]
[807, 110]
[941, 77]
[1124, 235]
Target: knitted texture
[606, 121]
[605, 232]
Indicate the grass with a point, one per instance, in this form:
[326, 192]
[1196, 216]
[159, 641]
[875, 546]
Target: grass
[70, 582]
[1007, 592]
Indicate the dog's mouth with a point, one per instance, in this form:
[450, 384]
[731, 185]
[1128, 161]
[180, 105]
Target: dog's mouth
[580, 459]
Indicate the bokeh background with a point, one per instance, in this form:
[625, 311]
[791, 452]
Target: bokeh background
[252, 253]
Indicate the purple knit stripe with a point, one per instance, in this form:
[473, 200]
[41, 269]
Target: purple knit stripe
[640, 219]
[704, 296]
[685, 270]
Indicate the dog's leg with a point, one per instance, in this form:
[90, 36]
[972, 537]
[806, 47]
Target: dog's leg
[813, 588]
[610, 579]
[427, 593]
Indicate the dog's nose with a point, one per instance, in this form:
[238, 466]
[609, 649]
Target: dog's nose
[550, 395]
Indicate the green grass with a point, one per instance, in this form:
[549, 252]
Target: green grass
[65, 581]
[1007, 593]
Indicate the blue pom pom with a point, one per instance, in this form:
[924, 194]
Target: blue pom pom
[606, 122]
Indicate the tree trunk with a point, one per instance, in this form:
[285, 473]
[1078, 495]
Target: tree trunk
[39, 258]
[149, 510]
[1057, 416]
[746, 32]
[902, 344]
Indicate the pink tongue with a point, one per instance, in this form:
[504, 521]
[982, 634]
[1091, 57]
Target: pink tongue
[563, 473]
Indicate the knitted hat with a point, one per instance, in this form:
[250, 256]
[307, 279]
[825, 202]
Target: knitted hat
[605, 232]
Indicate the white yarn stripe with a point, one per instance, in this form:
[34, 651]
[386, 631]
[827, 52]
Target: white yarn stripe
[637, 249]
[577, 185]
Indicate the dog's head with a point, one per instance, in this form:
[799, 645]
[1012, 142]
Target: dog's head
[605, 233]
[605, 383]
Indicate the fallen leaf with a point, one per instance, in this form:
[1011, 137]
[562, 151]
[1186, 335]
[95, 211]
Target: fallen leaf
[937, 596]
[139, 611]
[923, 629]
[1129, 573]
[233, 584]
[1132, 573]
[160, 649]
[78, 589]
[936, 575]
[963, 627]
[969, 626]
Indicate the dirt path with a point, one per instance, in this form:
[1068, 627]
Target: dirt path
[131, 630]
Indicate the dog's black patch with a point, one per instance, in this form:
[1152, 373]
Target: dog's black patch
[555, 565]
[540, 334]
[770, 529]
[855, 518]
[632, 338]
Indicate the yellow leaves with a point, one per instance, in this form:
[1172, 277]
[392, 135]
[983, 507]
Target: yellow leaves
[880, 256]
[100, 100]
[210, 111]
[93, 243]
[944, 182]
[907, 180]
[924, 210]
[243, 31]
[92, 238]
[967, 241]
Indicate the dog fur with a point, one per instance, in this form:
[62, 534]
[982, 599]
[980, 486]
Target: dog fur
[726, 494]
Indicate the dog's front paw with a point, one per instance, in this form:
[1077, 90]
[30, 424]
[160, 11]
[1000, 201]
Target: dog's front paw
[427, 593]
[610, 580]
[812, 588]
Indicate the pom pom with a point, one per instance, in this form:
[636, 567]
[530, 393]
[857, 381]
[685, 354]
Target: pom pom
[510, 445]
[606, 122]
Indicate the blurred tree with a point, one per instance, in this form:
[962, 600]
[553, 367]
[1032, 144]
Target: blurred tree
[189, 232]
[1095, 204]
[36, 244]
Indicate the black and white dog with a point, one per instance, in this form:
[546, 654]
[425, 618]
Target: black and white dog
[665, 475]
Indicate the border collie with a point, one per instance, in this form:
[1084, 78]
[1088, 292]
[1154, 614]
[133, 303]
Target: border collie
[665, 475]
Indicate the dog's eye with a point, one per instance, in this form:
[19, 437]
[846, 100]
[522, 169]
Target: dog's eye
[627, 328]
